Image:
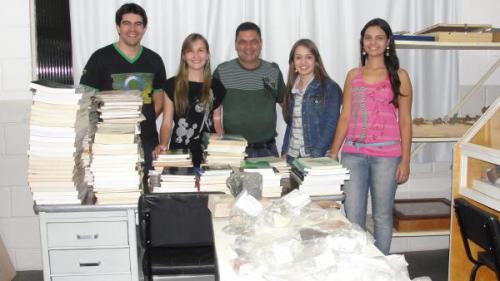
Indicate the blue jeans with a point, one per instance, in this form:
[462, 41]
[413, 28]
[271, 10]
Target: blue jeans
[377, 175]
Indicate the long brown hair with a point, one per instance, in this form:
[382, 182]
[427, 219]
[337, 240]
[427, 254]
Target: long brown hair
[391, 60]
[182, 77]
[319, 74]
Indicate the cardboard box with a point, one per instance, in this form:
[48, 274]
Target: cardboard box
[421, 214]
[7, 271]
[459, 32]
[496, 34]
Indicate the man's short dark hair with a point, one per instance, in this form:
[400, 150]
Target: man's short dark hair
[248, 25]
[131, 8]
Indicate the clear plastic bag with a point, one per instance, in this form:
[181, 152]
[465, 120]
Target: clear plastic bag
[294, 239]
[244, 213]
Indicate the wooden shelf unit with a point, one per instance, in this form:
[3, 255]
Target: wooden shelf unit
[422, 141]
[425, 45]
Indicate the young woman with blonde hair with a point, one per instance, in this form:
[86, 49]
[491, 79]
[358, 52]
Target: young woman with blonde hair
[192, 102]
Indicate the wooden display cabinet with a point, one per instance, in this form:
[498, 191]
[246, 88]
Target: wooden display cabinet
[478, 150]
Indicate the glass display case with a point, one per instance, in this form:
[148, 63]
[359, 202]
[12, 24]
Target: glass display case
[480, 159]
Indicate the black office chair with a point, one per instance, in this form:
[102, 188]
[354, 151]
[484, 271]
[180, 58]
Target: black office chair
[482, 228]
[176, 233]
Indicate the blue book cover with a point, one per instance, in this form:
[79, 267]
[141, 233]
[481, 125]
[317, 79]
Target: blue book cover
[412, 37]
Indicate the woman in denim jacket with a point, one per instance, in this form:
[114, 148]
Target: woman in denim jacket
[311, 104]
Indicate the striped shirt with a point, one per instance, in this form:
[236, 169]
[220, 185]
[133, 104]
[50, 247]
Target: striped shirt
[249, 107]
[296, 148]
[373, 119]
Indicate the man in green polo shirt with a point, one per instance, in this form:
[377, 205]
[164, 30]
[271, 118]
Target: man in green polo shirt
[253, 87]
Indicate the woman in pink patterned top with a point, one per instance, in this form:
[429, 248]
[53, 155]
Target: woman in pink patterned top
[375, 131]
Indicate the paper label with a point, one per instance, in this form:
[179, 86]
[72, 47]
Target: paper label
[324, 261]
[297, 199]
[248, 204]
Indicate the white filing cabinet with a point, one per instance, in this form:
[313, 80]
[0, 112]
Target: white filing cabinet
[89, 245]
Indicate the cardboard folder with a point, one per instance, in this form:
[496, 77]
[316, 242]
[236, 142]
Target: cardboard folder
[445, 32]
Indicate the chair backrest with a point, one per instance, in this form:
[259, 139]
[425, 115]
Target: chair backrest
[475, 226]
[494, 228]
[175, 220]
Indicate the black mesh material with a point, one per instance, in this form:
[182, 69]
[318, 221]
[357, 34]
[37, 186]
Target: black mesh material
[480, 227]
[176, 232]
[53, 41]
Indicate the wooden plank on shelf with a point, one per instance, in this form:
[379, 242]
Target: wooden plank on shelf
[445, 32]
[404, 44]
[396, 233]
[440, 130]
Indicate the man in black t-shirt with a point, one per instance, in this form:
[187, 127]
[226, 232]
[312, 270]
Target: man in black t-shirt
[127, 65]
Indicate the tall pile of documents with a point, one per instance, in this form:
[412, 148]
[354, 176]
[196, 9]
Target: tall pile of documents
[115, 150]
[59, 123]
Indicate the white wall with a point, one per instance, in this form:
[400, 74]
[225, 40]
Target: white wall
[19, 225]
[473, 64]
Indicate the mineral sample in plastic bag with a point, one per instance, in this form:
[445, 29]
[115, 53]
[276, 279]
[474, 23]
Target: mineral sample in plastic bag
[251, 182]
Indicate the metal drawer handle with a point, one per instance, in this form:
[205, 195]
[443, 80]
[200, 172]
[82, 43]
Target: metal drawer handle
[87, 236]
[86, 264]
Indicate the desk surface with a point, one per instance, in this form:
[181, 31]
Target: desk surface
[225, 253]
[59, 208]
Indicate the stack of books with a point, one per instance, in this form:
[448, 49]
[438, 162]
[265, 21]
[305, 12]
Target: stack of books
[115, 154]
[177, 179]
[318, 176]
[213, 178]
[226, 149]
[276, 162]
[173, 158]
[58, 124]
[271, 179]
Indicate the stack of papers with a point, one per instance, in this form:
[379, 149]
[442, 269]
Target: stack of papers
[58, 125]
[318, 176]
[116, 148]
[226, 149]
[173, 158]
[177, 179]
[213, 178]
[276, 162]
